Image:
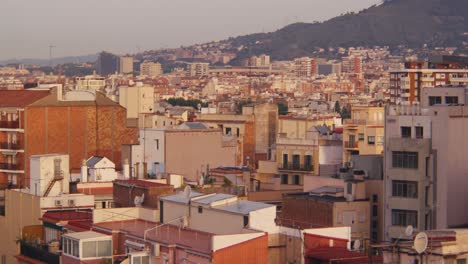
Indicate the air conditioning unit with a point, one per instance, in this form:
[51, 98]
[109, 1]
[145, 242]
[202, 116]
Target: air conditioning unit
[58, 202]
[71, 202]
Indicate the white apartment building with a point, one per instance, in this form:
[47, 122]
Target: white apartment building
[198, 69]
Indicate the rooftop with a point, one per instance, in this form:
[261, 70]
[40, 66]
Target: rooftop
[242, 207]
[180, 197]
[141, 183]
[166, 234]
[86, 235]
[20, 98]
[212, 198]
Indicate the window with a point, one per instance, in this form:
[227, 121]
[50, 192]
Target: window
[406, 189]
[375, 198]
[405, 160]
[371, 140]
[228, 131]
[200, 209]
[308, 162]
[140, 260]
[237, 132]
[57, 167]
[404, 218]
[296, 162]
[433, 100]
[419, 132]
[361, 136]
[451, 99]
[375, 211]
[380, 140]
[461, 261]
[246, 220]
[96, 249]
[157, 144]
[349, 188]
[296, 180]
[284, 179]
[285, 160]
[405, 132]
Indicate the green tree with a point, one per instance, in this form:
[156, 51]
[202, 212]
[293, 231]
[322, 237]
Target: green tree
[345, 113]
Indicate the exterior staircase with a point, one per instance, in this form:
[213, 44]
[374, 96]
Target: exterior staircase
[57, 177]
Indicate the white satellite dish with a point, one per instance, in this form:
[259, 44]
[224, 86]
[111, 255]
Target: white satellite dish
[357, 245]
[138, 201]
[420, 242]
[409, 230]
[187, 192]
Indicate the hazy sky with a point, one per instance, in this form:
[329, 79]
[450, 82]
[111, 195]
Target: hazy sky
[79, 27]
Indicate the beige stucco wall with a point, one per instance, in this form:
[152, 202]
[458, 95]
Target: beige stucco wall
[188, 153]
[360, 229]
[22, 210]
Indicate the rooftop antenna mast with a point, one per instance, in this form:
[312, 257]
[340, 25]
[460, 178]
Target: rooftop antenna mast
[51, 47]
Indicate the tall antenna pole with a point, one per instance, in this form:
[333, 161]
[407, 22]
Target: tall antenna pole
[50, 54]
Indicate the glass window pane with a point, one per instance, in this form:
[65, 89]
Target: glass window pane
[89, 249]
[104, 248]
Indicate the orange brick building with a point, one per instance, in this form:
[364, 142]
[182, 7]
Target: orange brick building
[42, 122]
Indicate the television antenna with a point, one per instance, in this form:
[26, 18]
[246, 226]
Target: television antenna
[187, 192]
[51, 47]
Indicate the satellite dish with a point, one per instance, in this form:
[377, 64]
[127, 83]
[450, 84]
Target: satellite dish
[187, 192]
[357, 245]
[409, 230]
[139, 200]
[420, 242]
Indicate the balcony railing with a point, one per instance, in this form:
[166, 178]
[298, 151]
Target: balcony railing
[9, 124]
[351, 144]
[296, 167]
[39, 252]
[15, 146]
[8, 166]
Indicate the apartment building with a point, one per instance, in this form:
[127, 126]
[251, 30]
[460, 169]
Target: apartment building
[407, 85]
[198, 69]
[152, 69]
[80, 124]
[363, 133]
[137, 100]
[188, 150]
[425, 166]
[90, 83]
[330, 206]
[305, 67]
[255, 127]
[125, 65]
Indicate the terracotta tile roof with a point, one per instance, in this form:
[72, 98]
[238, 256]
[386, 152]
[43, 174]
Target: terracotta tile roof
[20, 98]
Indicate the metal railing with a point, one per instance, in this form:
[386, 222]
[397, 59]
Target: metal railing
[39, 252]
[351, 144]
[9, 124]
[15, 146]
[8, 166]
[297, 167]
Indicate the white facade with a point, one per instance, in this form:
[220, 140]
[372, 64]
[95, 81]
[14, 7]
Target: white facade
[126, 65]
[50, 174]
[101, 171]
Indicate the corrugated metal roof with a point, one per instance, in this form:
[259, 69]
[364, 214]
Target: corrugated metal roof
[242, 207]
[91, 162]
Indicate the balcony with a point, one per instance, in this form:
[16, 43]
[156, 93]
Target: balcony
[296, 167]
[8, 166]
[11, 146]
[356, 122]
[9, 124]
[39, 252]
[351, 144]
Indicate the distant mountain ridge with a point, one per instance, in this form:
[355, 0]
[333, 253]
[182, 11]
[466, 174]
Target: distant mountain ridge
[55, 61]
[397, 22]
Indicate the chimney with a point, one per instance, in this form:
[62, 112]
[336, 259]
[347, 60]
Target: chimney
[126, 169]
[59, 92]
[84, 172]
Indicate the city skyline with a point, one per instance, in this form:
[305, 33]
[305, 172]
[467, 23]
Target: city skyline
[113, 27]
